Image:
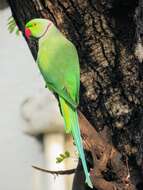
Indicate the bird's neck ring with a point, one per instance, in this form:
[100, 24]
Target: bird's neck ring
[44, 33]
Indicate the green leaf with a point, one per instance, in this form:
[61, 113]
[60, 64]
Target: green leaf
[12, 27]
[67, 154]
[62, 157]
[58, 160]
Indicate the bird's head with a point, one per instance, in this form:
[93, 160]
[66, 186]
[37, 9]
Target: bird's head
[37, 27]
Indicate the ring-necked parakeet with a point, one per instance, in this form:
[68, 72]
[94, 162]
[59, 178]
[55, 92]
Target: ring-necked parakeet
[59, 64]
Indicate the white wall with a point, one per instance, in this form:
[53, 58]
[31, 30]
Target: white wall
[19, 78]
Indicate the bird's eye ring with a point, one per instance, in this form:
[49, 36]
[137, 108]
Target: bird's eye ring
[34, 24]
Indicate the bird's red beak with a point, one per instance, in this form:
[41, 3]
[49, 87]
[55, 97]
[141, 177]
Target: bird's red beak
[27, 32]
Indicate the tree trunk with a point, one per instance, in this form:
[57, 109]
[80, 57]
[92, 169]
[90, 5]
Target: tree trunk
[108, 36]
[3, 4]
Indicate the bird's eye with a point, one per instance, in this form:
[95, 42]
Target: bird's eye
[34, 24]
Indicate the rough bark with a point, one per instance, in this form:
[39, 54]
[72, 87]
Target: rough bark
[3, 4]
[108, 37]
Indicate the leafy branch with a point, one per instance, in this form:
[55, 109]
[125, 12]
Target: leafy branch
[62, 157]
[12, 27]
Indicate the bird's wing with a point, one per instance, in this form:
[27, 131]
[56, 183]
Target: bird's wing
[59, 65]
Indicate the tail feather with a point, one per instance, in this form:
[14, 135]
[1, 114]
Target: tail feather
[72, 126]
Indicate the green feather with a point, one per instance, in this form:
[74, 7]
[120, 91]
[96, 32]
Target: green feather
[55, 60]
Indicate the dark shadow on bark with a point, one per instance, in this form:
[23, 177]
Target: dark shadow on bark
[3, 4]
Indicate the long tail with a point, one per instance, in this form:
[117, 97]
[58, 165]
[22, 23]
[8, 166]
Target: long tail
[72, 126]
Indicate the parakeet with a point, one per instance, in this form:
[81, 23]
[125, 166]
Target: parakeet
[59, 65]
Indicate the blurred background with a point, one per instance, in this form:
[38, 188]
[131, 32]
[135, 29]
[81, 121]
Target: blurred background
[32, 130]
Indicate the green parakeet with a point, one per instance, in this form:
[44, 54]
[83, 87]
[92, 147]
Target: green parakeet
[59, 65]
